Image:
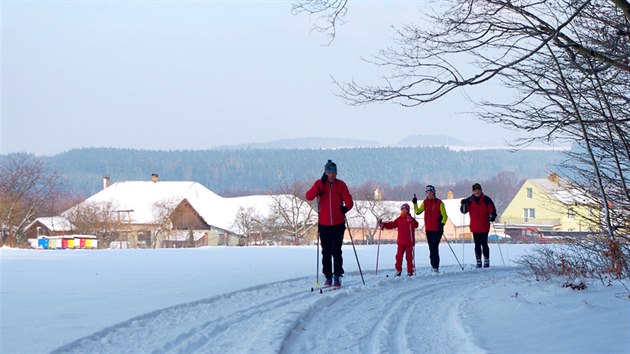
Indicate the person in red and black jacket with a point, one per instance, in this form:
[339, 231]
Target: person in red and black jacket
[434, 219]
[334, 201]
[482, 213]
[406, 225]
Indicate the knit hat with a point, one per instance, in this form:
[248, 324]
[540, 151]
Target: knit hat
[405, 206]
[430, 188]
[330, 167]
[476, 186]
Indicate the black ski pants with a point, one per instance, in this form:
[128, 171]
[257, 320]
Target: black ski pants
[481, 242]
[433, 239]
[331, 238]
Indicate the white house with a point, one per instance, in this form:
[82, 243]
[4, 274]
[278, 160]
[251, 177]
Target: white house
[150, 211]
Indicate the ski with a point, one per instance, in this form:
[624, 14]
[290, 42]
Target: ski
[394, 276]
[324, 288]
[319, 288]
[329, 288]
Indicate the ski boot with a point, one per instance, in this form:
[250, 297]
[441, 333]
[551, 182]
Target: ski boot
[398, 273]
[486, 263]
[328, 282]
[479, 263]
[336, 280]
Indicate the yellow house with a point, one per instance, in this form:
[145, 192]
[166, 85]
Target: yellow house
[549, 204]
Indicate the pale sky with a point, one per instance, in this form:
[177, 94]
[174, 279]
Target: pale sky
[170, 75]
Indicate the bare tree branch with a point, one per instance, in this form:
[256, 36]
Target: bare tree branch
[27, 190]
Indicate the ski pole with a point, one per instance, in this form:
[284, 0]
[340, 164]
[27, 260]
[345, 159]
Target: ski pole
[355, 250]
[317, 264]
[507, 250]
[463, 228]
[378, 248]
[449, 245]
[318, 237]
[413, 248]
[498, 243]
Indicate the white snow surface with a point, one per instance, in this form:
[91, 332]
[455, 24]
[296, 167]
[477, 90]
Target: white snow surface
[259, 300]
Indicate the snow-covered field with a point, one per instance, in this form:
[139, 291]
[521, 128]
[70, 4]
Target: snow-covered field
[258, 300]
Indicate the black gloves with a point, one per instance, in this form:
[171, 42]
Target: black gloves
[344, 209]
[324, 177]
[440, 224]
[463, 201]
[415, 199]
[492, 218]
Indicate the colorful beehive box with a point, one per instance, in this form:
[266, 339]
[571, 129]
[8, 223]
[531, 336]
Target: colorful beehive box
[42, 243]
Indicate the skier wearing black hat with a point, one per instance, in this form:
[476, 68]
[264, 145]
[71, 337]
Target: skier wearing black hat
[334, 201]
[434, 219]
[482, 213]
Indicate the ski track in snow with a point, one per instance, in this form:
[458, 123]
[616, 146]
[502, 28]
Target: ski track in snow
[388, 315]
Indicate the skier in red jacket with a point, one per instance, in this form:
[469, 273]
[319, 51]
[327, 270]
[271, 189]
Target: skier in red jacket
[334, 201]
[482, 213]
[406, 225]
[434, 219]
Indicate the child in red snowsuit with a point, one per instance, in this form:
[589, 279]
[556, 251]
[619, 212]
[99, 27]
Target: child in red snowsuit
[406, 225]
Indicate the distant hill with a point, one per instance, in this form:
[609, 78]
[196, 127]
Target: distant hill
[430, 140]
[263, 170]
[303, 143]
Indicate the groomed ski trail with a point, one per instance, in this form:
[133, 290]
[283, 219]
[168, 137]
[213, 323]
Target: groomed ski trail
[417, 314]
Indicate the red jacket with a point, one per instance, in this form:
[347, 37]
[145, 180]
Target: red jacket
[434, 213]
[331, 197]
[405, 224]
[481, 211]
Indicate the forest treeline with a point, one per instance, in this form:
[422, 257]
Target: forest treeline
[249, 171]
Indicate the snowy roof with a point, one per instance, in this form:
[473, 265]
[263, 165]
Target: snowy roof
[142, 197]
[54, 223]
[560, 191]
[452, 210]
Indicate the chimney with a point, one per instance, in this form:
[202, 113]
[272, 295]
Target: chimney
[378, 194]
[449, 195]
[105, 182]
[154, 178]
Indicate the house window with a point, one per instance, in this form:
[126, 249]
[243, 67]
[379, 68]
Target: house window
[529, 213]
[570, 213]
[530, 193]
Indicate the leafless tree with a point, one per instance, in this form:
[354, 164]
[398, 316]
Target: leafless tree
[249, 223]
[98, 219]
[330, 13]
[295, 214]
[273, 230]
[28, 190]
[162, 211]
[369, 207]
[567, 63]
[497, 35]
